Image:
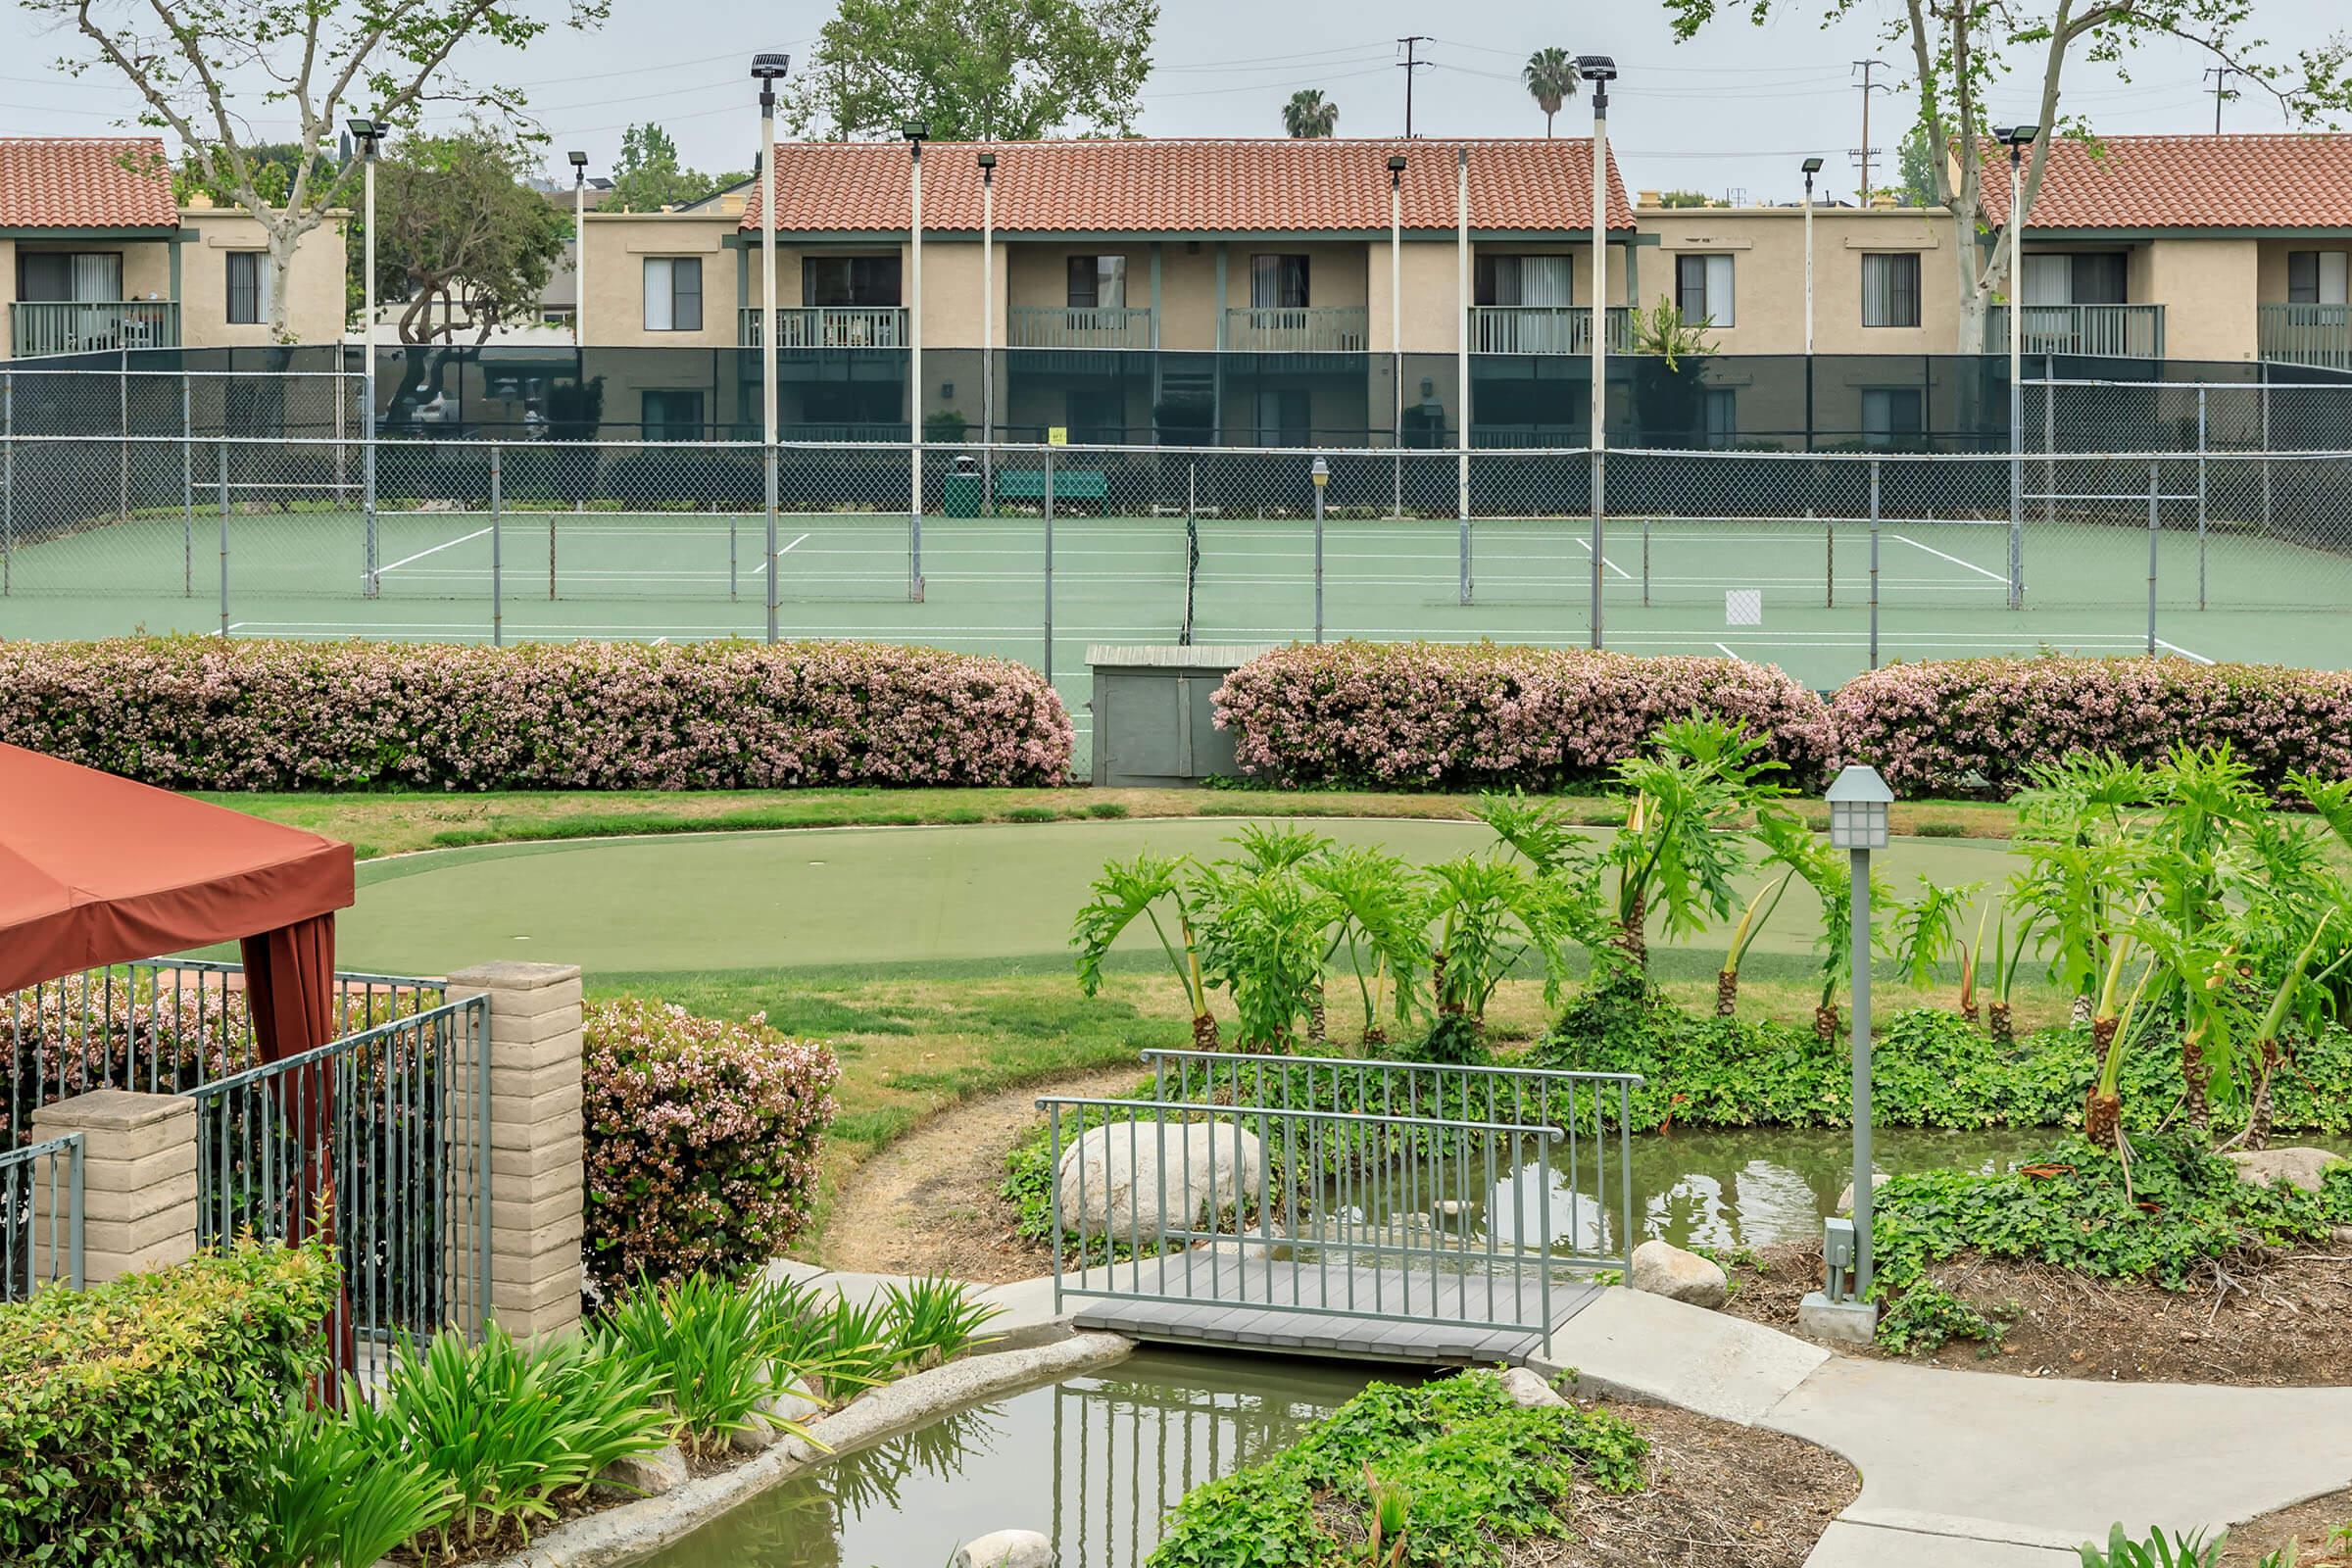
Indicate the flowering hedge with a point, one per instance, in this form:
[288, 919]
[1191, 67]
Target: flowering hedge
[702, 1141]
[195, 713]
[1447, 716]
[1971, 726]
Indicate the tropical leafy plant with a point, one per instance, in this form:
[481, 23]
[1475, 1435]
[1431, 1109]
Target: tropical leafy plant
[1752, 921]
[1140, 889]
[2157, 1550]
[1699, 781]
[1377, 922]
[1263, 943]
[1925, 929]
[1550, 77]
[1309, 113]
[1491, 916]
[1660, 329]
[332, 1501]
[711, 1352]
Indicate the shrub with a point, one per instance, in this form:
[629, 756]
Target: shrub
[702, 1141]
[199, 712]
[134, 1416]
[332, 1501]
[1434, 716]
[711, 1351]
[1972, 725]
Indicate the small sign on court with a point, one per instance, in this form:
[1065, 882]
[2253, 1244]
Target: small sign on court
[1744, 607]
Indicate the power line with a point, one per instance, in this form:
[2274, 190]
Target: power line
[2219, 76]
[1412, 65]
[1866, 67]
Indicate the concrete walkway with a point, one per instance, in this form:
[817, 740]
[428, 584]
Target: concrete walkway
[1975, 1469]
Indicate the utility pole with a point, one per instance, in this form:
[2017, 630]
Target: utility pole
[1409, 64]
[1867, 66]
[2219, 76]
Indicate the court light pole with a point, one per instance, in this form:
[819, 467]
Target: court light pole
[370, 134]
[1811, 167]
[2016, 138]
[1858, 802]
[767, 70]
[1322, 478]
[579, 249]
[1599, 71]
[916, 132]
[1397, 328]
[987, 328]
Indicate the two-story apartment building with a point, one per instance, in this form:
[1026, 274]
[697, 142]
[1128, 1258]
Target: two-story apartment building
[96, 256]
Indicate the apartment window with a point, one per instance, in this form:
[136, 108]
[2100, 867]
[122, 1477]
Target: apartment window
[247, 270]
[1893, 416]
[2319, 278]
[673, 416]
[2086, 278]
[1890, 290]
[1098, 282]
[1722, 416]
[1277, 282]
[674, 293]
[1702, 289]
[850, 280]
[1523, 280]
[89, 277]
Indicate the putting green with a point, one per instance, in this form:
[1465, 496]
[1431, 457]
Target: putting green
[833, 897]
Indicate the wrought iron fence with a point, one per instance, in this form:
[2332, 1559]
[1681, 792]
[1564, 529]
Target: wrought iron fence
[41, 1216]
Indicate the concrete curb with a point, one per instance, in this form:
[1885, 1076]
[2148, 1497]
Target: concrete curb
[629, 1531]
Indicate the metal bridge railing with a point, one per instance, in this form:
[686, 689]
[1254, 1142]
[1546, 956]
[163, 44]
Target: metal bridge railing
[41, 1216]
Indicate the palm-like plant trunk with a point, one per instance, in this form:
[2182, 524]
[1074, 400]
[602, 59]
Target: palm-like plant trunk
[1825, 1021]
[1632, 939]
[1204, 1032]
[2004, 1032]
[2258, 1117]
[1727, 992]
[2102, 1111]
[2196, 1100]
[2080, 1013]
[1315, 1018]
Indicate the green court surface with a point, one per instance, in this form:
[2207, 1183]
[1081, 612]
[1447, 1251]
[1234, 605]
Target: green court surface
[1941, 586]
[999, 895]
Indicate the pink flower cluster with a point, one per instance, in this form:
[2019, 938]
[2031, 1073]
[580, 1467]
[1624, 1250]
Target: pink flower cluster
[701, 1143]
[194, 712]
[1450, 715]
[1971, 726]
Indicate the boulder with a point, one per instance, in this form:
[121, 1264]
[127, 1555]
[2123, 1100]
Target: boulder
[1529, 1391]
[2340, 1235]
[1006, 1548]
[754, 1437]
[1846, 1193]
[1663, 1269]
[791, 1404]
[645, 1475]
[1113, 1179]
[2300, 1168]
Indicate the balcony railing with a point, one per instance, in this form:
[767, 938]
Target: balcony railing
[83, 326]
[1300, 329]
[1544, 329]
[2306, 334]
[828, 326]
[1078, 326]
[2110, 331]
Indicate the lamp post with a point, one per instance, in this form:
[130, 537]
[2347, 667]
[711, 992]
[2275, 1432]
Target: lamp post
[766, 70]
[1397, 330]
[579, 249]
[988, 324]
[1811, 167]
[1599, 71]
[1858, 804]
[2016, 138]
[1322, 477]
[370, 132]
[916, 132]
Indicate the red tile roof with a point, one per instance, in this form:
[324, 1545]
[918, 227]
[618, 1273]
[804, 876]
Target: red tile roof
[1139, 186]
[84, 182]
[2290, 180]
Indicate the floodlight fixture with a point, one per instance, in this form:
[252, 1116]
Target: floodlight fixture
[2017, 135]
[917, 131]
[1396, 162]
[769, 65]
[1811, 166]
[578, 159]
[988, 160]
[1596, 68]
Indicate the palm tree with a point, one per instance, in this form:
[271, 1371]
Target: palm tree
[1550, 77]
[1310, 114]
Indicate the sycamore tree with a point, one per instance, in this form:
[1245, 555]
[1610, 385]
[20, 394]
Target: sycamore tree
[977, 70]
[648, 178]
[1964, 54]
[207, 71]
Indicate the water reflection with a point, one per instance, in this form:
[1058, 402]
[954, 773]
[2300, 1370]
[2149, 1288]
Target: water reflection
[1096, 1462]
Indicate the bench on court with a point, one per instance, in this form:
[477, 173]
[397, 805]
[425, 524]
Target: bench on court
[1069, 484]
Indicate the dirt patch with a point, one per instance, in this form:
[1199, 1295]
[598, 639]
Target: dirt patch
[2268, 1320]
[2311, 1527]
[927, 1202]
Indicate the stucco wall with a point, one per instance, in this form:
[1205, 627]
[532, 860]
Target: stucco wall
[1767, 245]
[618, 244]
[315, 295]
[2209, 290]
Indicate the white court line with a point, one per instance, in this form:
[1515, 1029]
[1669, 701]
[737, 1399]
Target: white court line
[1604, 558]
[1729, 653]
[2183, 651]
[1904, 538]
[787, 549]
[436, 550]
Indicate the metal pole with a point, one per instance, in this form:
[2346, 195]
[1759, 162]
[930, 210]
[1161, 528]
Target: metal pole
[373, 584]
[914, 376]
[1874, 563]
[2265, 448]
[1049, 566]
[497, 609]
[1601, 340]
[580, 257]
[221, 478]
[768, 328]
[1859, 904]
[1461, 359]
[1322, 478]
[988, 352]
[2154, 495]
[1396, 339]
[8, 478]
[2017, 390]
[123, 433]
[2200, 498]
[187, 490]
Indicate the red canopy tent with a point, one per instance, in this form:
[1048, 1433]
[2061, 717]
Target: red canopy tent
[95, 869]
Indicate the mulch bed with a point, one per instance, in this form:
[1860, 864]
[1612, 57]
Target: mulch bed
[1719, 1494]
[2256, 1320]
[2312, 1525]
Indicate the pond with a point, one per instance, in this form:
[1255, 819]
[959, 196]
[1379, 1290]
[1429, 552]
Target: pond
[1094, 1462]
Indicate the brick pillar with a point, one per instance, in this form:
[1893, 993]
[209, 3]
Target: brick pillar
[536, 1179]
[138, 1182]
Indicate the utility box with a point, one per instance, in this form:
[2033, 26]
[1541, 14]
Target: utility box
[1155, 711]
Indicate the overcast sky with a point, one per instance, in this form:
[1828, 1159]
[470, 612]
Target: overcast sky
[1732, 112]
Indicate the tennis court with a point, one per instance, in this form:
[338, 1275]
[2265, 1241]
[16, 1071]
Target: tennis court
[1797, 592]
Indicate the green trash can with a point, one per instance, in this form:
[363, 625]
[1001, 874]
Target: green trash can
[960, 494]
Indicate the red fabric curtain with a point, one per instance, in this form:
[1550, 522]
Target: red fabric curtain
[290, 991]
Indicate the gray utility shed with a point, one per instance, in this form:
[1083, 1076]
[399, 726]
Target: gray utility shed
[1153, 718]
